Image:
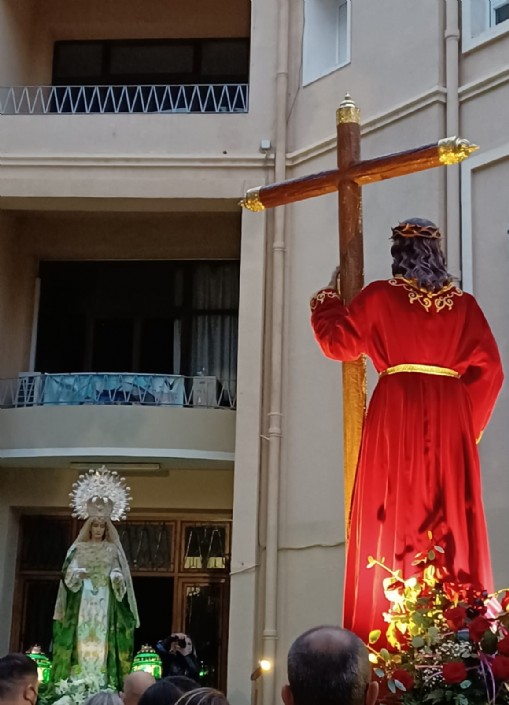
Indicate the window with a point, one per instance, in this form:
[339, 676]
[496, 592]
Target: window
[499, 11]
[144, 317]
[483, 20]
[326, 41]
[150, 62]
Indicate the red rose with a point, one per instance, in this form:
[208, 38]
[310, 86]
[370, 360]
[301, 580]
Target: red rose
[505, 602]
[455, 617]
[477, 627]
[454, 672]
[503, 646]
[404, 677]
[500, 668]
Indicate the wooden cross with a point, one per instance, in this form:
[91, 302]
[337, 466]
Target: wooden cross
[353, 173]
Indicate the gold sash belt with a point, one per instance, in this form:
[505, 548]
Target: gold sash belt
[423, 369]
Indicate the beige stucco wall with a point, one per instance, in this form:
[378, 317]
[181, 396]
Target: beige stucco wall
[491, 261]
[154, 19]
[130, 236]
[117, 430]
[484, 103]
[17, 281]
[385, 71]
[16, 35]
[219, 136]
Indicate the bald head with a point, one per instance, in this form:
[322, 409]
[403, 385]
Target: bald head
[328, 666]
[135, 684]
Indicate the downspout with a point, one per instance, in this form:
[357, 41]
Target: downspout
[452, 173]
[274, 434]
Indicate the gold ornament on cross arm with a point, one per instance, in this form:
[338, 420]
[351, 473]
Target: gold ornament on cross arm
[453, 150]
[251, 200]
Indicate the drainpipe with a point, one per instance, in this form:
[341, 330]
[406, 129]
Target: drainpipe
[270, 633]
[452, 173]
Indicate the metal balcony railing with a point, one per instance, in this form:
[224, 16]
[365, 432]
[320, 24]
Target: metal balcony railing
[82, 388]
[88, 100]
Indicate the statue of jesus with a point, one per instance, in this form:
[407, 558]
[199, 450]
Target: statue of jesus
[439, 376]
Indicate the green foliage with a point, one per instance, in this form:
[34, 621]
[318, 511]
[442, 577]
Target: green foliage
[432, 656]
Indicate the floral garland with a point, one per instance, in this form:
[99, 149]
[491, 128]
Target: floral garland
[74, 690]
[445, 642]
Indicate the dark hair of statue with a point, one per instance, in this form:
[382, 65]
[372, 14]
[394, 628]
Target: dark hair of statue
[163, 692]
[14, 670]
[420, 259]
[337, 676]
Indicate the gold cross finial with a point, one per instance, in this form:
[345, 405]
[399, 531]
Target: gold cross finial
[348, 111]
[452, 150]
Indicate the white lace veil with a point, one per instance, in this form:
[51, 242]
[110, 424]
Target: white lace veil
[112, 536]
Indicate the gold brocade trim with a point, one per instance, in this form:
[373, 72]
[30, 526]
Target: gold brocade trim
[437, 300]
[354, 409]
[320, 297]
[422, 369]
[251, 200]
[348, 112]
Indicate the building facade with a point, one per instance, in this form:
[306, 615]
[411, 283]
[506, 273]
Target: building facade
[151, 326]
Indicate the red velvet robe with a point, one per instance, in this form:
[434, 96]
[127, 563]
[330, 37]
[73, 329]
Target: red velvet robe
[418, 468]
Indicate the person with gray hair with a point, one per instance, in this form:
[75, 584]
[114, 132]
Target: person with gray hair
[329, 666]
[104, 697]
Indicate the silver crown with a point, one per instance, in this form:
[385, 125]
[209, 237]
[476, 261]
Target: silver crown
[100, 493]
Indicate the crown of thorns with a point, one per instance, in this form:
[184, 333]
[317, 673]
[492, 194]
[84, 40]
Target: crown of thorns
[406, 229]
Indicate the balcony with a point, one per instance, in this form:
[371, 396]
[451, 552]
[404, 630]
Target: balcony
[124, 99]
[36, 389]
[176, 420]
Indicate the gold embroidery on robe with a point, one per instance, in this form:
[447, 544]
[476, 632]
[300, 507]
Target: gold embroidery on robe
[439, 300]
[320, 297]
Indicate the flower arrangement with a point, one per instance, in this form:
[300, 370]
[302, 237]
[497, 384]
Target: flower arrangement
[445, 642]
[73, 690]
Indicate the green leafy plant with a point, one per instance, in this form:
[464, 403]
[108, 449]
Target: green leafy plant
[445, 642]
[73, 690]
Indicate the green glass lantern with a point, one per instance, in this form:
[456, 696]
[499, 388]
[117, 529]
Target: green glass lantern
[148, 660]
[43, 663]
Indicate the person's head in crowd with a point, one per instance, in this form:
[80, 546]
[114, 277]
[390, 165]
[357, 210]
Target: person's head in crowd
[163, 692]
[202, 696]
[18, 680]
[104, 697]
[135, 684]
[183, 683]
[329, 666]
